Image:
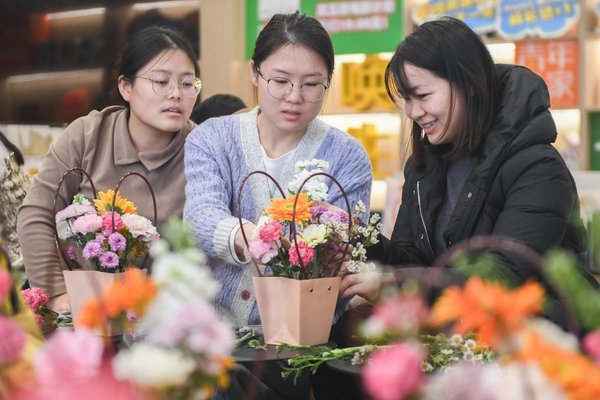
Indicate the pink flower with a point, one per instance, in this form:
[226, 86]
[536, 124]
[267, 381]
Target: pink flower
[92, 249]
[109, 260]
[116, 241]
[5, 284]
[591, 345]
[261, 250]
[13, 340]
[87, 223]
[107, 222]
[34, 297]
[306, 254]
[69, 356]
[401, 314]
[270, 232]
[393, 373]
[71, 365]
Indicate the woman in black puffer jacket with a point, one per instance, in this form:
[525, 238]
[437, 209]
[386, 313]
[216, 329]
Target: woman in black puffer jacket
[482, 161]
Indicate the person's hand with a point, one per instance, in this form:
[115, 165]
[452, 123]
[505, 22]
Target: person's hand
[59, 304]
[240, 245]
[364, 284]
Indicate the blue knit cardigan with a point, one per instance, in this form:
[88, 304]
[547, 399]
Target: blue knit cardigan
[218, 155]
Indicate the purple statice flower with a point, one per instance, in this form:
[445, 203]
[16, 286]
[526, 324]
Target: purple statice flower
[109, 259]
[92, 249]
[116, 241]
[316, 211]
[71, 253]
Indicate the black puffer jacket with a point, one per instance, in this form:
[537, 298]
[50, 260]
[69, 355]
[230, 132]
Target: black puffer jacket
[520, 188]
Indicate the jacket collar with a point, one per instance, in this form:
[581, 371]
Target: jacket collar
[126, 153]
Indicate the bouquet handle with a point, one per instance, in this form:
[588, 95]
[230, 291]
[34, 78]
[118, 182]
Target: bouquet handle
[62, 179]
[239, 207]
[293, 223]
[127, 175]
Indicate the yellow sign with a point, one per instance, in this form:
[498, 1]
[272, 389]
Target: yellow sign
[363, 84]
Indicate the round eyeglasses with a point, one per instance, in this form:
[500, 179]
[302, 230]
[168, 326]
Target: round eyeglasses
[190, 87]
[280, 88]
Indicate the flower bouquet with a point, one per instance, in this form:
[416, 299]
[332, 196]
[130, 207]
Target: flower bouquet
[101, 241]
[297, 299]
[180, 348]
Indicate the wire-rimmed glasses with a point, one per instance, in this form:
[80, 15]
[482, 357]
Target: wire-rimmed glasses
[280, 88]
[190, 87]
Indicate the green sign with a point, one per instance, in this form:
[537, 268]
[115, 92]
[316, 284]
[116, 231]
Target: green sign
[355, 26]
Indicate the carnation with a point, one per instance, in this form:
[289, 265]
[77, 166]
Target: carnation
[305, 253]
[87, 224]
[92, 249]
[270, 231]
[140, 226]
[149, 365]
[107, 222]
[262, 251]
[109, 259]
[34, 297]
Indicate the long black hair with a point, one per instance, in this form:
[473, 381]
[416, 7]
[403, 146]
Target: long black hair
[449, 49]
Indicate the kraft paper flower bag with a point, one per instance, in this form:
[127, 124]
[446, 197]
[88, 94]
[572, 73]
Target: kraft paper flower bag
[298, 312]
[298, 291]
[98, 242]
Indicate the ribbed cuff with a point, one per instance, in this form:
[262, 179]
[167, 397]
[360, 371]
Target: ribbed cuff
[222, 237]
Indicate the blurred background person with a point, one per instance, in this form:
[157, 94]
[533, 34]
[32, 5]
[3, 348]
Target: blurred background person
[14, 183]
[217, 105]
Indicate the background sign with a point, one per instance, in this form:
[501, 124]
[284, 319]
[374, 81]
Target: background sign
[510, 19]
[557, 62]
[355, 26]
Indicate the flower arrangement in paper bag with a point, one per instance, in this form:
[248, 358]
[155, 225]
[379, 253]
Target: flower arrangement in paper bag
[317, 228]
[108, 239]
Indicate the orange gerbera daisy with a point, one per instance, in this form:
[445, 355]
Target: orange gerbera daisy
[132, 293]
[487, 308]
[578, 376]
[122, 206]
[282, 209]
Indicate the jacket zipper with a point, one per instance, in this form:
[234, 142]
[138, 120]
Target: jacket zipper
[423, 219]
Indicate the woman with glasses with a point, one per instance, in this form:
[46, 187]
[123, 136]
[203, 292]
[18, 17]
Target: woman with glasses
[291, 71]
[158, 84]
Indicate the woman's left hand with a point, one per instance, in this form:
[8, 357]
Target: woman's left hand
[364, 284]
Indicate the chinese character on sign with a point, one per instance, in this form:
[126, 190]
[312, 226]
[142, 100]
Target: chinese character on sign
[557, 62]
[363, 84]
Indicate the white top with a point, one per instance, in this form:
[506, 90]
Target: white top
[274, 167]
